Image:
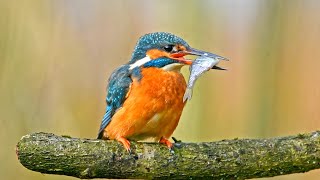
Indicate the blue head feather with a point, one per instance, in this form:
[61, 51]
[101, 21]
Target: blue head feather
[155, 40]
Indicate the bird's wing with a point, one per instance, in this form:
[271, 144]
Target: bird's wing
[118, 87]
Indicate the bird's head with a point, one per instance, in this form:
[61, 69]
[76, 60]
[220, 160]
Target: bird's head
[161, 49]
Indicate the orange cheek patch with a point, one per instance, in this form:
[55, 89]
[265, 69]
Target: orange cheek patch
[156, 53]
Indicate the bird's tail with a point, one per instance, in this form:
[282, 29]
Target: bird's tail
[100, 135]
[187, 95]
[105, 121]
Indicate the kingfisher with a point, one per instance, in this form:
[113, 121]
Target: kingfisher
[145, 96]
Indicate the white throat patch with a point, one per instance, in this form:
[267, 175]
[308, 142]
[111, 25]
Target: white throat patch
[173, 67]
[140, 62]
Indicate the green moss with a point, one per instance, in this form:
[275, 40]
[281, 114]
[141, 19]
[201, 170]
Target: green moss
[227, 159]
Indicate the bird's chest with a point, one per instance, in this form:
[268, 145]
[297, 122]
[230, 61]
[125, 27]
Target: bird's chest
[165, 88]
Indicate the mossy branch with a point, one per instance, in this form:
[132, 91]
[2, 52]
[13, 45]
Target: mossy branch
[227, 159]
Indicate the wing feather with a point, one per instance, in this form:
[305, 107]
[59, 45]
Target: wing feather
[118, 87]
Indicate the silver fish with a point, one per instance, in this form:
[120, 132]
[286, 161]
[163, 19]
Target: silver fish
[199, 66]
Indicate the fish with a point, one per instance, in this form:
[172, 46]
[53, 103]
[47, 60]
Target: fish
[199, 66]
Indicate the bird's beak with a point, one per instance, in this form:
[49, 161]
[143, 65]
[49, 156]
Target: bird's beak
[179, 56]
[192, 51]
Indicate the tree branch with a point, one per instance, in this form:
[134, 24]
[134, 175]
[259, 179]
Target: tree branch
[227, 159]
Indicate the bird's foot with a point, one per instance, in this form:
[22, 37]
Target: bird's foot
[125, 142]
[166, 142]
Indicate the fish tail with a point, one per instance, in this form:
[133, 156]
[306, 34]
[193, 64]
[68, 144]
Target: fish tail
[187, 95]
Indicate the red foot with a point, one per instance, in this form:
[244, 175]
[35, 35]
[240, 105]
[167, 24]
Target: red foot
[166, 142]
[125, 143]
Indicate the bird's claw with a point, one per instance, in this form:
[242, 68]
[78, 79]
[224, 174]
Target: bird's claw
[166, 142]
[126, 143]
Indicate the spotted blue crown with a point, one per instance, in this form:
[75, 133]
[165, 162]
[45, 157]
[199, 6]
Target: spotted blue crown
[155, 40]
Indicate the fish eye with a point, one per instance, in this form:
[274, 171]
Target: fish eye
[168, 48]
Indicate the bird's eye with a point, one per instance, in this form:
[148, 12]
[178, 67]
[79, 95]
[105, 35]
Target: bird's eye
[168, 48]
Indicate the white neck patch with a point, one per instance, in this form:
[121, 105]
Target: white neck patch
[140, 62]
[173, 67]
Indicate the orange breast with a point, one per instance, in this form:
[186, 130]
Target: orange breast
[153, 106]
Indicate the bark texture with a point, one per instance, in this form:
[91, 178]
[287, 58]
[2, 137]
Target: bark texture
[226, 159]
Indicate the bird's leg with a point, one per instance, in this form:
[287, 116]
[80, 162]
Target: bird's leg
[125, 143]
[166, 142]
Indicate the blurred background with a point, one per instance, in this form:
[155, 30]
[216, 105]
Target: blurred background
[56, 56]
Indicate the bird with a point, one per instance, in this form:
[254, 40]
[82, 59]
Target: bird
[145, 95]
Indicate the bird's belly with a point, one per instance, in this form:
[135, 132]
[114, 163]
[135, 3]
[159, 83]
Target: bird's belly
[162, 124]
[153, 106]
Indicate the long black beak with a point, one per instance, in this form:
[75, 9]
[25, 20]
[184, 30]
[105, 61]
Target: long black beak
[197, 52]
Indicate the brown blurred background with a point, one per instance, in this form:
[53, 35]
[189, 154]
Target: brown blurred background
[56, 56]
